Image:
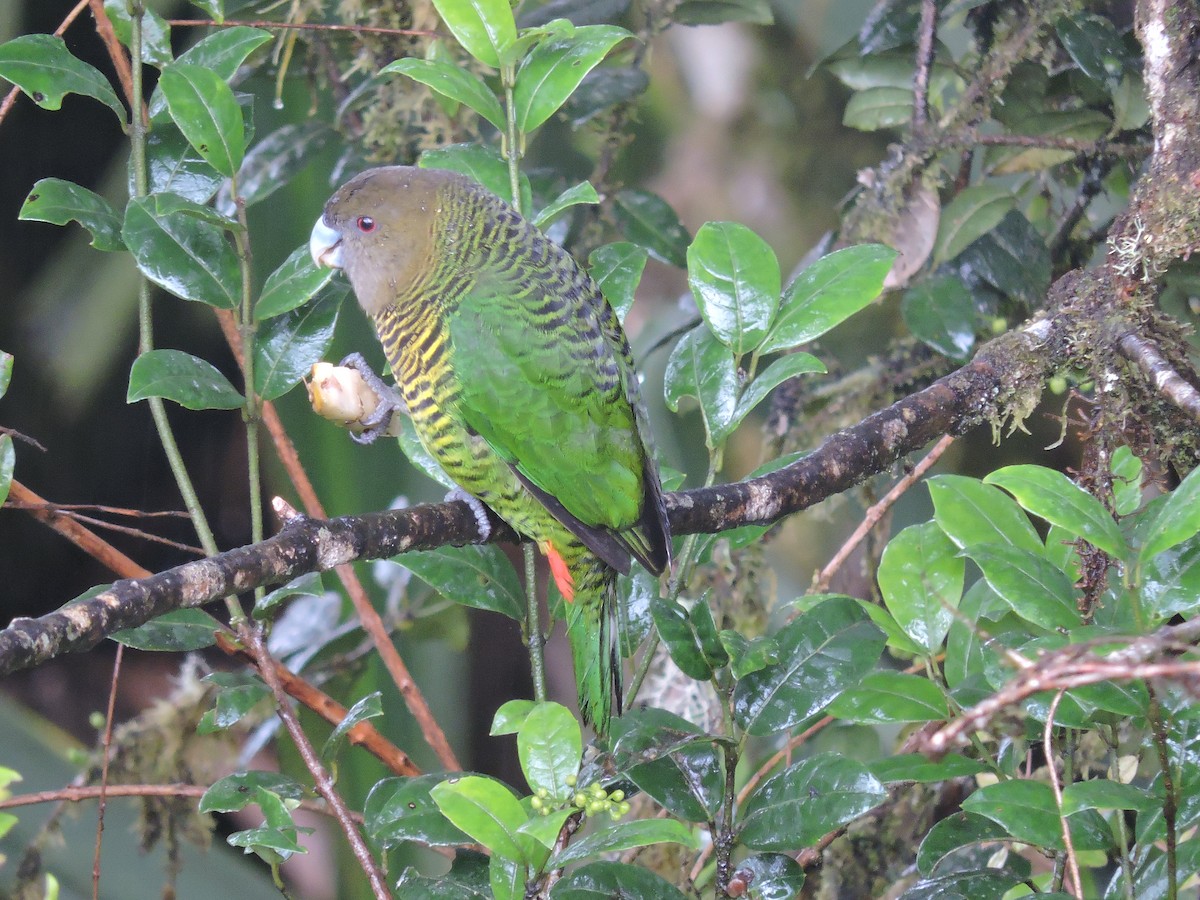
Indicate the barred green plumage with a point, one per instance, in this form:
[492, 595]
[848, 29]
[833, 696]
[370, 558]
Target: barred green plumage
[518, 379]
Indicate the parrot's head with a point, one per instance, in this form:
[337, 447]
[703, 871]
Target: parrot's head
[379, 228]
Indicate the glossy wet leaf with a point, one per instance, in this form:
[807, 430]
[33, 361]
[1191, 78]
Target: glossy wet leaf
[549, 745]
[478, 576]
[8, 464]
[783, 369]
[890, 24]
[702, 367]
[920, 768]
[179, 631]
[486, 810]
[941, 312]
[1054, 497]
[602, 89]
[178, 250]
[734, 276]
[613, 879]
[769, 876]
[1101, 793]
[878, 107]
[1127, 481]
[1026, 809]
[237, 693]
[234, 792]
[687, 782]
[156, 32]
[647, 220]
[921, 578]
[369, 707]
[827, 293]
[274, 161]
[971, 214]
[1096, 47]
[1012, 258]
[555, 67]
[617, 269]
[625, 835]
[1072, 124]
[182, 378]
[689, 636]
[582, 193]
[450, 80]
[482, 163]
[401, 809]
[976, 884]
[511, 716]
[972, 512]
[294, 283]
[176, 168]
[1177, 520]
[485, 28]
[204, 109]
[891, 697]
[810, 798]
[286, 346]
[959, 829]
[1034, 588]
[822, 652]
[58, 202]
[43, 67]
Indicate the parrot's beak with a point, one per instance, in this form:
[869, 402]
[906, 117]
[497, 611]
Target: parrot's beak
[325, 245]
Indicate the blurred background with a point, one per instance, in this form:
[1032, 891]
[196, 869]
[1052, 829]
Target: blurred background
[738, 123]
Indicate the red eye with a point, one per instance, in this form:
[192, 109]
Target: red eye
[365, 224]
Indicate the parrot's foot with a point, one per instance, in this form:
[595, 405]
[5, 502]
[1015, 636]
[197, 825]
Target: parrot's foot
[390, 401]
[478, 509]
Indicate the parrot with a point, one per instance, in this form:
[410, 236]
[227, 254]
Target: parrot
[519, 381]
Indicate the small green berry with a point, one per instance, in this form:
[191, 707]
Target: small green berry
[536, 802]
[624, 808]
[543, 792]
[571, 780]
[581, 800]
[617, 796]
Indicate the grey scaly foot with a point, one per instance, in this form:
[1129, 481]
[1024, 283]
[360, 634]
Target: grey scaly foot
[389, 400]
[478, 509]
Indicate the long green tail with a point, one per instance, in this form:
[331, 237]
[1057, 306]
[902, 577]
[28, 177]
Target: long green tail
[592, 629]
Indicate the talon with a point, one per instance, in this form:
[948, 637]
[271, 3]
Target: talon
[389, 399]
[478, 509]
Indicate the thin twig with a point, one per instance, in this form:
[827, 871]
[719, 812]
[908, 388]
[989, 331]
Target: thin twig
[116, 53]
[105, 755]
[1048, 746]
[371, 621]
[876, 512]
[925, 34]
[305, 26]
[1159, 372]
[252, 637]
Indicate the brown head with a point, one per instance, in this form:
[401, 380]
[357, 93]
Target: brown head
[379, 228]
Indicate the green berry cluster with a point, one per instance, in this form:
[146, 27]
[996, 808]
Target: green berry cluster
[593, 800]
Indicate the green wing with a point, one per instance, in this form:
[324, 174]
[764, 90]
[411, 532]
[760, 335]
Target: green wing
[541, 383]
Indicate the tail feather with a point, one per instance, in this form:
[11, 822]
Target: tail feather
[592, 630]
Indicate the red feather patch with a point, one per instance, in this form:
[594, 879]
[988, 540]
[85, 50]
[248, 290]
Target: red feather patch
[558, 568]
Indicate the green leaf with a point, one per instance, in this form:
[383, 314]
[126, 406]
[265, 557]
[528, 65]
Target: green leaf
[919, 768]
[176, 168]
[1127, 481]
[180, 252]
[286, 346]
[506, 879]
[878, 107]
[889, 25]
[401, 809]
[941, 313]
[1028, 811]
[485, 28]
[156, 32]
[1177, 520]
[180, 631]
[550, 745]
[237, 791]
[807, 800]
[205, 110]
[368, 707]
[1096, 47]
[971, 512]
[1077, 124]
[735, 279]
[1170, 582]
[1055, 498]
[891, 697]
[603, 89]
[275, 160]
[1101, 793]
[294, 283]
[692, 652]
[222, 52]
[1035, 589]
[8, 464]
[613, 879]
[486, 810]
[646, 734]
[959, 829]
[59, 202]
[770, 876]
[572, 196]
[617, 269]
[715, 12]
[214, 8]
[687, 782]
[1012, 258]
[181, 377]
[702, 367]
[921, 578]
[449, 80]
[511, 716]
[827, 293]
[783, 369]
[970, 215]
[476, 161]
[6, 370]
[237, 693]
[43, 67]
[308, 585]
[552, 71]
[474, 575]
[822, 652]
[625, 836]
[648, 221]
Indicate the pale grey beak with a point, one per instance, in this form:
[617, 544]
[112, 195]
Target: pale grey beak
[325, 245]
